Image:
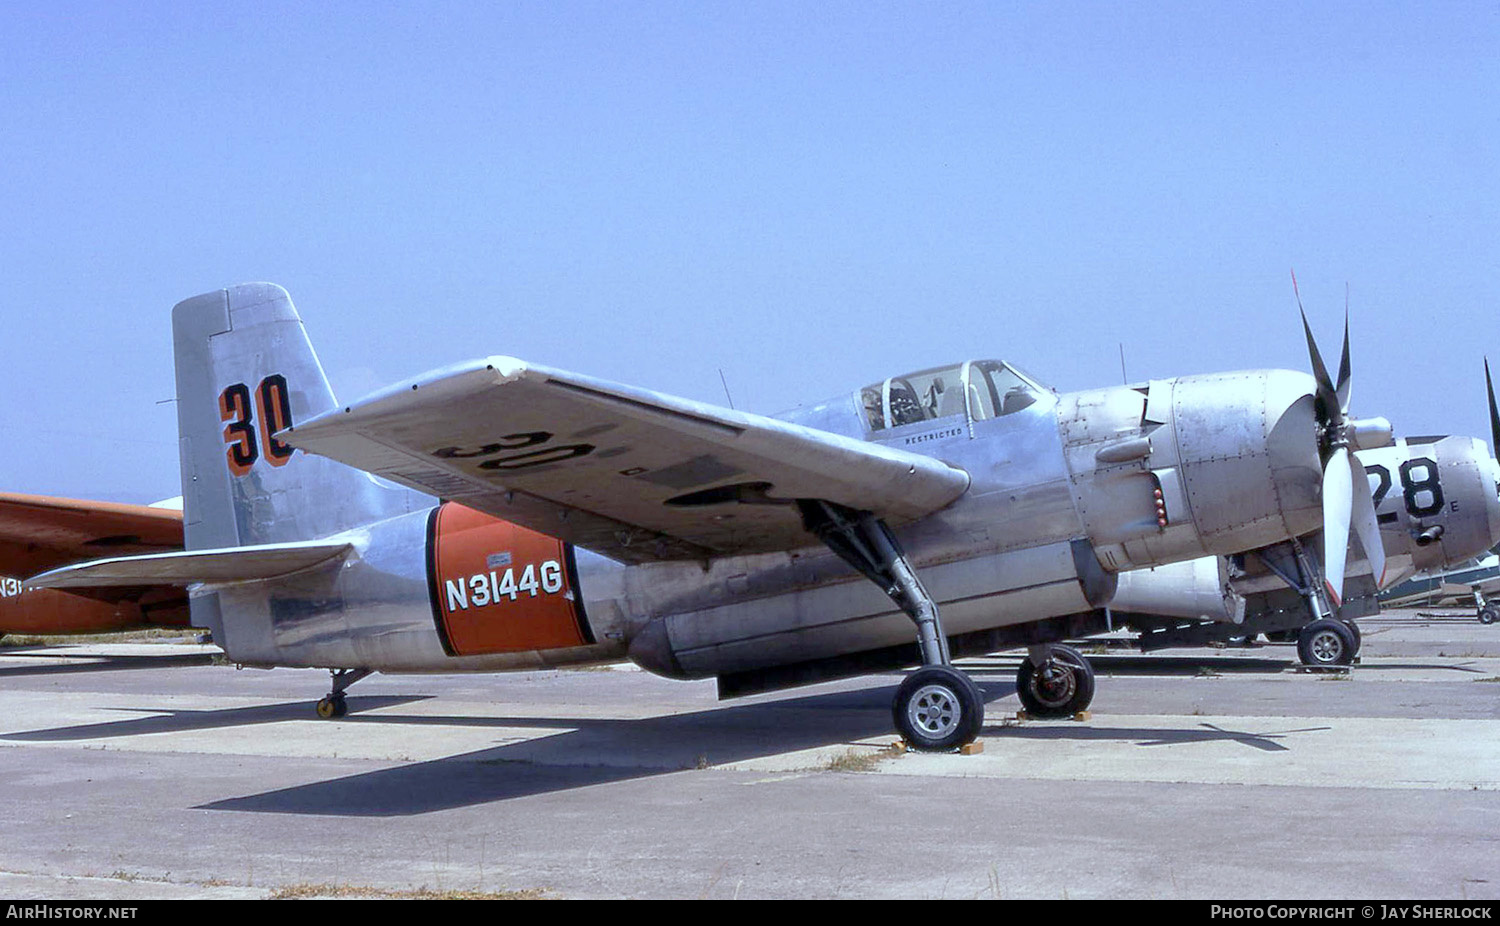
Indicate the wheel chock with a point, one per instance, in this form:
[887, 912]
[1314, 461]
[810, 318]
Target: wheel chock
[971, 749]
[1022, 716]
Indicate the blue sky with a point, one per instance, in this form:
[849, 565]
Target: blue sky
[808, 196]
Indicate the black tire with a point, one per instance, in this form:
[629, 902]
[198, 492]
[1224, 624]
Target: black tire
[938, 708]
[1326, 643]
[1060, 689]
[1489, 614]
[333, 706]
[1359, 638]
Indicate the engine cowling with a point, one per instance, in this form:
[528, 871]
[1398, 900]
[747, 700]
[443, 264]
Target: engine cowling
[1194, 466]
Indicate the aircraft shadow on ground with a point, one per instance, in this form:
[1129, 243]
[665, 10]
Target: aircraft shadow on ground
[591, 751]
[579, 752]
[1204, 733]
[157, 720]
[1186, 665]
[582, 755]
[101, 663]
[574, 752]
[1408, 666]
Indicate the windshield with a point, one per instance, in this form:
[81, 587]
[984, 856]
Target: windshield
[995, 389]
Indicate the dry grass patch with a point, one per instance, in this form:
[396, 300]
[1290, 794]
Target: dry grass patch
[862, 760]
[352, 892]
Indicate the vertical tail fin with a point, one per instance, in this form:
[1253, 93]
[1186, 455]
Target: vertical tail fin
[245, 370]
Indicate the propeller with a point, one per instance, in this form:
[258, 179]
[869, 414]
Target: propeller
[1346, 496]
[1494, 412]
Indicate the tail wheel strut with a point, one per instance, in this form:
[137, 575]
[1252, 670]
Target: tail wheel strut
[334, 705]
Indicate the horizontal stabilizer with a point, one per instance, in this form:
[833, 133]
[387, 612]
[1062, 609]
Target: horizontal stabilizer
[234, 564]
[633, 474]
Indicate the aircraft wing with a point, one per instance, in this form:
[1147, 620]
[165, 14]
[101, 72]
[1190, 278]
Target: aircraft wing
[630, 473]
[40, 532]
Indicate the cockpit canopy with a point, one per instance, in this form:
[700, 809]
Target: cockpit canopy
[982, 389]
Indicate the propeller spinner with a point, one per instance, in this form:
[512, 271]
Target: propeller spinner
[1346, 497]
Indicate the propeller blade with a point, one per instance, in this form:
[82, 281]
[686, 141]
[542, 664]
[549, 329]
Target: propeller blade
[1366, 527]
[1342, 389]
[1327, 393]
[1494, 412]
[1338, 502]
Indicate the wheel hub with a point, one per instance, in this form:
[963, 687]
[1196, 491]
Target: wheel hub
[1327, 647]
[935, 710]
[1055, 684]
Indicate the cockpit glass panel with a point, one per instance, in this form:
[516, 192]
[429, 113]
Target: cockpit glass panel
[995, 389]
[874, 406]
[915, 397]
[983, 389]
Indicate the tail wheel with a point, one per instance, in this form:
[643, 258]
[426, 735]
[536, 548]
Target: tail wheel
[332, 707]
[1059, 687]
[1326, 643]
[938, 708]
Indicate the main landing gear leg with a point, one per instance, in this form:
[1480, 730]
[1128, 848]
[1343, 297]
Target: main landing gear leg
[1326, 640]
[937, 707]
[334, 705]
[1489, 611]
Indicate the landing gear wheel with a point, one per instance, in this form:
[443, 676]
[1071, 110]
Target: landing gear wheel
[1358, 637]
[938, 708]
[1489, 614]
[1326, 643]
[1060, 687]
[333, 706]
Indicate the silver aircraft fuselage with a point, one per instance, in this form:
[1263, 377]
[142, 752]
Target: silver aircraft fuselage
[1066, 491]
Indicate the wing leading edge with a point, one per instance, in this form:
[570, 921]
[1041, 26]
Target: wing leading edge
[633, 474]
